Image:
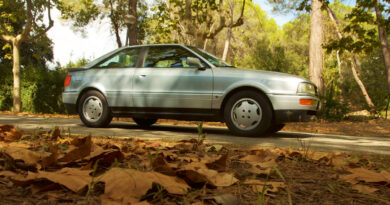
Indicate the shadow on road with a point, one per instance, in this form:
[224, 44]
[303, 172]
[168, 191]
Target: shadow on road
[194, 130]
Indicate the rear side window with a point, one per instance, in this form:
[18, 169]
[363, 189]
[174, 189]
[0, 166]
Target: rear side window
[124, 59]
[167, 57]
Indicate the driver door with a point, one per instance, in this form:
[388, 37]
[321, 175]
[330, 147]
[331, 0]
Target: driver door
[167, 81]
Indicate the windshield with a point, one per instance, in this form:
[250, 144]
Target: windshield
[210, 58]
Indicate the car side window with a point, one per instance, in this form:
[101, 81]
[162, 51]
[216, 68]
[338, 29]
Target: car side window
[124, 59]
[168, 57]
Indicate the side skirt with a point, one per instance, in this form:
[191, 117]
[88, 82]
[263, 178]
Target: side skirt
[168, 113]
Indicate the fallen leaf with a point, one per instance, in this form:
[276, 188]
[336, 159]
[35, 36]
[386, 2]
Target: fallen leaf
[364, 189]
[199, 174]
[258, 186]
[226, 199]
[128, 185]
[219, 164]
[56, 133]
[80, 147]
[161, 165]
[74, 179]
[213, 148]
[185, 147]
[6, 128]
[18, 153]
[369, 176]
[12, 135]
[50, 158]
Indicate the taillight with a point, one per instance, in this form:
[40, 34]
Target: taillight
[67, 80]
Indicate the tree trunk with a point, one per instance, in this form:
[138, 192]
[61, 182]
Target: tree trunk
[229, 31]
[341, 76]
[315, 48]
[384, 43]
[132, 28]
[227, 44]
[17, 106]
[359, 82]
[354, 59]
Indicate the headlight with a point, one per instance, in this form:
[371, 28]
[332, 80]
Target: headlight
[306, 88]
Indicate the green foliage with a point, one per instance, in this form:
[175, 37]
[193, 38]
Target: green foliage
[332, 107]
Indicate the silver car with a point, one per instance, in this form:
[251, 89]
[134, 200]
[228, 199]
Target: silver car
[173, 81]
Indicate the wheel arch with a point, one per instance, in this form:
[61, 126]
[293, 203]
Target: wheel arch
[246, 88]
[86, 90]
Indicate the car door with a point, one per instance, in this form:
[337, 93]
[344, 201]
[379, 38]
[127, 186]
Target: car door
[115, 75]
[167, 81]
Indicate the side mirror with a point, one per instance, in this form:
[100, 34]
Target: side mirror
[195, 62]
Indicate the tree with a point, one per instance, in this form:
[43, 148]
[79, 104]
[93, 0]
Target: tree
[22, 21]
[192, 22]
[354, 60]
[364, 38]
[316, 33]
[83, 12]
[315, 49]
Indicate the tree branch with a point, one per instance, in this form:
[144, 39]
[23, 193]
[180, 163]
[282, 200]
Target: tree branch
[7, 38]
[222, 25]
[51, 23]
[29, 22]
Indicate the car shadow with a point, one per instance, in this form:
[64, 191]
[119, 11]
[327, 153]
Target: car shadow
[208, 130]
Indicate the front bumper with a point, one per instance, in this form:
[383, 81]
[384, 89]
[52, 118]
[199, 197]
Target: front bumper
[282, 116]
[287, 108]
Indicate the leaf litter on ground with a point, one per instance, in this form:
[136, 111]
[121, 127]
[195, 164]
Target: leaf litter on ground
[132, 171]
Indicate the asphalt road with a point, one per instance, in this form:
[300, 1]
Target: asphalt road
[320, 142]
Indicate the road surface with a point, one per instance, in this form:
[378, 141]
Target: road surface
[220, 135]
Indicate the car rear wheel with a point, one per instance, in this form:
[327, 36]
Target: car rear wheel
[248, 113]
[144, 122]
[93, 109]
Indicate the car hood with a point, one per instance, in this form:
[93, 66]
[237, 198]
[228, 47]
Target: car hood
[251, 73]
[269, 81]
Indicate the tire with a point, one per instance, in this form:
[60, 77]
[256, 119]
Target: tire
[275, 128]
[93, 109]
[248, 113]
[144, 122]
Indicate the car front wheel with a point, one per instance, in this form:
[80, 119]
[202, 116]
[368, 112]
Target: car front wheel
[93, 109]
[144, 122]
[248, 113]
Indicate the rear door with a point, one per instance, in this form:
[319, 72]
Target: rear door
[166, 81]
[115, 76]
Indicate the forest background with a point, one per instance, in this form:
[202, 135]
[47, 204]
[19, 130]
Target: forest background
[353, 72]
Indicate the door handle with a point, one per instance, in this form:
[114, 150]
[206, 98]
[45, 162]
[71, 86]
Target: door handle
[142, 75]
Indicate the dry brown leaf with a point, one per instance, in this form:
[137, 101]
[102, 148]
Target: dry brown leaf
[8, 174]
[338, 161]
[185, 147]
[80, 147]
[74, 179]
[257, 185]
[161, 165]
[50, 158]
[364, 189]
[18, 153]
[56, 133]
[12, 135]
[226, 199]
[6, 128]
[256, 170]
[362, 174]
[128, 185]
[200, 174]
[219, 164]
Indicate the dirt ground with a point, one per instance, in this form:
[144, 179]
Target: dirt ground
[50, 168]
